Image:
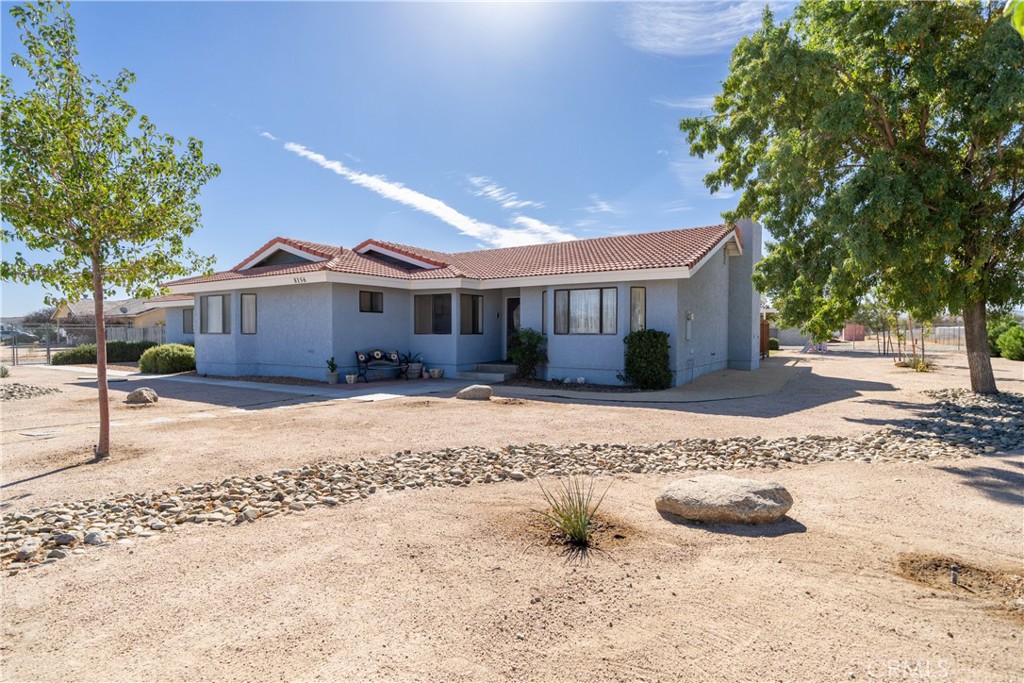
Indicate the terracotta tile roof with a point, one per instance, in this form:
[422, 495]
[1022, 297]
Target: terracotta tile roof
[666, 249]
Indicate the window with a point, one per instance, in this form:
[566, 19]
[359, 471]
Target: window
[187, 322]
[248, 314]
[544, 312]
[471, 314]
[637, 308]
[371, 302]
[586, 311]
[215, 314]
[433, 314]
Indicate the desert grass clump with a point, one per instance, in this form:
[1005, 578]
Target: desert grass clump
[571, 509]
[5, 371]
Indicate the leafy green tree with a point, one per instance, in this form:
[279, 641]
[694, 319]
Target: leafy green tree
[92, 187]
[881, 144]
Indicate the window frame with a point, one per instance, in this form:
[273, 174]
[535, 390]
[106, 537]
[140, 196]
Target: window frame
[476, 315]
[437, 313]
[375, 298]
[643, 323]
[544, 311]
[241, 313]
[188, 320]
[563, 322]
[204, 315]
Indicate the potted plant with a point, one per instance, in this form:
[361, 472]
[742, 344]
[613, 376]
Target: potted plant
[414, 363]
[332, 371]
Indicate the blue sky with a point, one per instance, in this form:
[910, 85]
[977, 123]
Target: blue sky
[448, 126]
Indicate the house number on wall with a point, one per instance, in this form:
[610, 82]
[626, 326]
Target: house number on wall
[299, 280]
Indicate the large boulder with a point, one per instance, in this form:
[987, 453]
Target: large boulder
[142, 396]
[476, 392]
[722, 499]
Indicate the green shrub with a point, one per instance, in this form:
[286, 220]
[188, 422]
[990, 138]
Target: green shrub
[773, 344]
[5, 371]
[1011, 343]
[996, 326]
[117, 352]
[571, 509]
[168, 358]
[647, 361]
[81, 354]
[528, 352]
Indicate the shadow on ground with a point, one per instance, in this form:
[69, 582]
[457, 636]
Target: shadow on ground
[1002, 481]
[784, 527]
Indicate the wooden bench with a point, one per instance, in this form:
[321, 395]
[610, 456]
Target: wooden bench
[379, 360]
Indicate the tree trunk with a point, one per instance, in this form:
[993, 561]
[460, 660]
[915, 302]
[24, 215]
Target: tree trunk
[103, 446]
[976, 338]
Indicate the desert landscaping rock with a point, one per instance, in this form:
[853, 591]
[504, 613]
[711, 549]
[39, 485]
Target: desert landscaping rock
[721, 499]
[141, 396]
[476, 392]
[11, 391]
[960, 424]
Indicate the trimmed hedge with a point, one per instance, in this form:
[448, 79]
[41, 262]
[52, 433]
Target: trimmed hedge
[647, 360]
[996, 326]
[1011, 343]
[117, 352]
[773, 344]
[168, 358]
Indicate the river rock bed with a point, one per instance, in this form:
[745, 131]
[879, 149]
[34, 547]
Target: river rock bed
[960, 424]
[10, 391]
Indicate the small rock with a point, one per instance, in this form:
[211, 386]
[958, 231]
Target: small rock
[141, 396]
[65, 539]
[476, 392]
[57, 554]
[95, 538]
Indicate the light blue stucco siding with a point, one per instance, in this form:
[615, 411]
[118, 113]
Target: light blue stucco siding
[745, 302]
[293, 335]
[703, 315]
[479, 348]
[174, 332]
[355, 330]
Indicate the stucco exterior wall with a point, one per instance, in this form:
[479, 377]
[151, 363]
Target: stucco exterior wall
[293, 335]
[174, 333]
[705, 297]
[477, 348]
[354, 330]
[744, 302]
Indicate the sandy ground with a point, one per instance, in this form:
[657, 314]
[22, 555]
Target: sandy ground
[461, 584]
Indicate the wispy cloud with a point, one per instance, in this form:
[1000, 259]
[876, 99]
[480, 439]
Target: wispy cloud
[529, 230]
[690, 28]
[598, 205]
[702, 102]
[485, 187]
[265, 134]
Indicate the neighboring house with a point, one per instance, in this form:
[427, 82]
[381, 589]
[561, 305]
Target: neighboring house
[176, 315]
[130, 312]
[292, 304]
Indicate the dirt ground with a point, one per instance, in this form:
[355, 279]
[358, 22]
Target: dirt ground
[459, 584]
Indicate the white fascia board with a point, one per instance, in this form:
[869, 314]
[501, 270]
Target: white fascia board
[250, 283]
[601, 277]
[170, 304]
[397, 255]
[281, 246]
[717, 248]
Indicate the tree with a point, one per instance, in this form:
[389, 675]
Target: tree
[881, 144]
[89, 184]
[40, 317]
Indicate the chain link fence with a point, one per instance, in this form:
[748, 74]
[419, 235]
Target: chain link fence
[35, 343]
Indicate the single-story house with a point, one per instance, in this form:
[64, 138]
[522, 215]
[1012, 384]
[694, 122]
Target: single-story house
[291, 305]
[128, 312]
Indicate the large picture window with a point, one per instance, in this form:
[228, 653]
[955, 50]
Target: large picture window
[471, 314]
[248, 314]
[371, 302]
[586, 311]
[433, 314]
[187, 320]
[215, 314]
[637, 308]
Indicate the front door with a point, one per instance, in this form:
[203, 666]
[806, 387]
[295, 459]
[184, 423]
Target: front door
[511, 323]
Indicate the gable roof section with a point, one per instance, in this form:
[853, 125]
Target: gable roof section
[683, 248]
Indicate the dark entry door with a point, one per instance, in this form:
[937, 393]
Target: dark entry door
[511, 323]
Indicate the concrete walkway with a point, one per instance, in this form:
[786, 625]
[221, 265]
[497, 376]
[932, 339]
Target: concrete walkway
[772, 377]
[374, 391]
